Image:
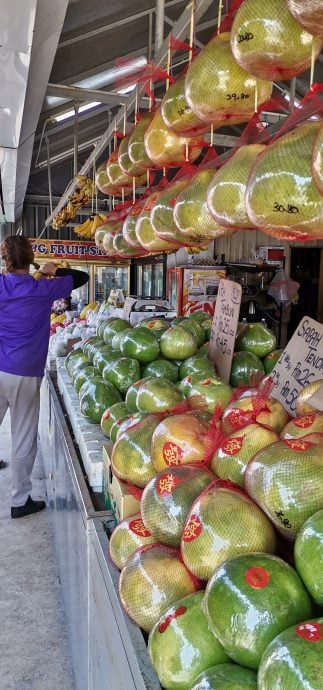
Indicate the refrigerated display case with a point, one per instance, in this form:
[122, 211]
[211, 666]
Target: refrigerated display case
[194, 287]
[110, 277]
[149, 277]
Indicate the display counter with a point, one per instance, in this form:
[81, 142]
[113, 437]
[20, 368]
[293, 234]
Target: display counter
[108, 650]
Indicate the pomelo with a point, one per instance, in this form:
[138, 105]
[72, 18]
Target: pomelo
[166, 148]
[167, 499]
[256, 338]
[114, 327]
[286, 480]
[303, 425]
[129, 422]
[178, 343]
[226, 677]
[162, 213]
[181, 634]
[107, 242]
[193, 326]
[231, 458]
[293, 660]
[74, 363]
[227, 188]
[308, 555]
[308, 14]
[115, 174]
[271, 360]
[186, 383]
[244, 365]
[176, 112]
[129, 225]
[209, 393]
[198, 315]
[207, 327]
[121, 247]
[303, 402]
[162, 368]
[317, 160]
[102, 323]
[204, 349]
[117, 340]
[211, 535]
[140, 344]
[99, 355]
[122, 373]
[153, 578]
[267, 42]
[145, 233]
[136, 147]
[111, 415]
[102, 181]
[249, 600]
[107, 357]
[98, 396]
[181, 439]
[128, 536]
[125, 162]
[130, 458]
[250, 408]
[157, 395]
[197, 364]
[153, 324]
[131, 395]
[88, 382]
[84, 374]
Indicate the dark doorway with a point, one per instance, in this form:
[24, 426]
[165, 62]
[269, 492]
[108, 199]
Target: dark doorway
[305, 269]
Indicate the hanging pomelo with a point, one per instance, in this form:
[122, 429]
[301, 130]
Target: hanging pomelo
[153, 578]
[303, 402]
[250, 408]
[226, 677]
[286, 480]
[129, 225]
[183, 633]
[99, 235]
[162, 213]
[166, 148]
[269, 43]
[317, 160]
[121, 247]
[303, 425]
[176, 112]
[294, 658]
[168, 497]
[309, 14]
[264, 585]
[126, 164]
[281, 195]
[136, 147]
[108, 237]
[191, 213]
[231, 458]
[218, 90]
[223, 522]
[102, 181]
[180, 439]
[130, 458]
[308, 553]
[114, 173]
[227, 189]
[145, 232]
[128, 536]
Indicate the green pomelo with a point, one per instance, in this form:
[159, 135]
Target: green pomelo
[317, 160]
[76, 363]
[165, 147]
[102, 324]
[129, 225]
[125, 162]
[131, 395]
[196, 328]
[244, 365]
[106, 358]
[226, 677]
[197, 365]
[121, 246]
[152, 580]
[181, 439]
[98, 358]
[251, 408]
[87, 383]
[145, 232]
[162, 368]
[277, 46]
[118, 339]
[211, 535]
[111, 415]
[162, 213]
[114, 327]
[271, 360]
[204, 350]
[128, 536]
[198, 315]
[218, 90]
[264, 585]
[140, 344]
[227, 189]
[181, 644]
[281, 196]
[128, 422]
[207, 327]
[153, 324]
[98, 396]
[130, 456]
[87, 344]
[136, 147]
[107, 242]
[210, 393]
[77, 369]
[157, 395]
[178, 343]
[308, 14]
[168, 497]
[293, 660]
[286, 480]
[308, 555]
[257, 339]
[298, 427]
[84, 374]
[191, 213]
[176, 112]
[102, 181]
[231, 458]
[188, 381]
[178, 320]
[122, 373]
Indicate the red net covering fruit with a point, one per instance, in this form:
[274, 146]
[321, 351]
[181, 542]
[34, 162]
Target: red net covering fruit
[166, 148]
[317, 160]
[125, 162]
[128, 536]
[309, 14]
[145, 233]
[303, 425]
[177, 114]
[254, 408]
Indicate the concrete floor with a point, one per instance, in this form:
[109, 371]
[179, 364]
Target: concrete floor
[34, 648]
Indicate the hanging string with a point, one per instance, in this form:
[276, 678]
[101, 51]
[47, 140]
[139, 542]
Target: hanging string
[256, 97]
[212, 135]
[133, 190]
[94, 185]
[192, 31]
[168, 68]
[124, 119]
[313, 57]
[136, 105]
[220, 14]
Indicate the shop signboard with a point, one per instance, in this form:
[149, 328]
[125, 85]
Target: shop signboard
[200, 289]
[224, 326]
[70, 250]
[300, 364]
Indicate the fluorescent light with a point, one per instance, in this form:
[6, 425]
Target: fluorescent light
[71, 113]
[127, 89]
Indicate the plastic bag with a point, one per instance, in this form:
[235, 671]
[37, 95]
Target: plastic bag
[282, 288]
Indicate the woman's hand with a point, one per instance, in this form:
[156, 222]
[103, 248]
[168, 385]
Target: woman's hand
[48, 269]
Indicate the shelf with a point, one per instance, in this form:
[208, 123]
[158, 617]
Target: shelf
[254, 268]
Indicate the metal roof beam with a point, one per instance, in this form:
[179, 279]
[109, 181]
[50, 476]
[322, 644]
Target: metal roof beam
[78, 94]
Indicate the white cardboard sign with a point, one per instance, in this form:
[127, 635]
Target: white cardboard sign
[224, 326]
[300, 363]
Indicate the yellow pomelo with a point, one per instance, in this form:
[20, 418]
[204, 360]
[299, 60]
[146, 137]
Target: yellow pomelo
[176, 112]
[309, 13]
[317, 159]
[125, 162]
[145, 233]
[136, 147]
[165, 147]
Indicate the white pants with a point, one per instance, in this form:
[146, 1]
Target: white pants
[21, 395]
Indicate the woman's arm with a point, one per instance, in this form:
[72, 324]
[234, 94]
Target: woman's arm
[79, 277]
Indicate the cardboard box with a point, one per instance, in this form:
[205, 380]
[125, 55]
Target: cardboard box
[121, 498]
[70, 344]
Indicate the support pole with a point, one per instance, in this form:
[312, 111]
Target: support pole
[49, 173]
[76, 137]
[150, 36]
[159, 29]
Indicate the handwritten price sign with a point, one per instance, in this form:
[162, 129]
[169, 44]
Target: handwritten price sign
[300, 364]
[224, 326]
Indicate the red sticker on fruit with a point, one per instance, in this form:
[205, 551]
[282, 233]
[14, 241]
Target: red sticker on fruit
[106, 414]
[233, 445]
[166, 484]
[172, 454]
[192, 529]
[298, 444]
[310, 631]
[137, 527]
[236, 419]
[206, 382]
[257, 577]
[304, 422]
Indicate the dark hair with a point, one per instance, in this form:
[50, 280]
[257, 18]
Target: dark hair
[17, 252]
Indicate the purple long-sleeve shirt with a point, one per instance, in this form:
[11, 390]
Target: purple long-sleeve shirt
[25, 307]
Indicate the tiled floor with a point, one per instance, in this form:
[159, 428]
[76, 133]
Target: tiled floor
[34, 650]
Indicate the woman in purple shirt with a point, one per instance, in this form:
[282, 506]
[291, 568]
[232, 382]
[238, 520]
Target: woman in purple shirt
[25, 307]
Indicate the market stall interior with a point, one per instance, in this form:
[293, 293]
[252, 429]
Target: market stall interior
[174, 151]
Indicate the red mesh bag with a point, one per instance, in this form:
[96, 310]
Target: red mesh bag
[167, 499]
[317, 160]
[286, 480]
[145, 233]
[222, 523]
[308, 14]
[130, 458]
[128, 536]
[268, 43]
[303, 425]
[254, 408]
[166, 148]
[129, 225]
[153, 578]
[125, 162]
[177, 114]
[136, 146]
[107, 241]
[303, 402]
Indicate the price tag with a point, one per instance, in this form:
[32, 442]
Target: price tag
[224, 326]
[300, 364]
